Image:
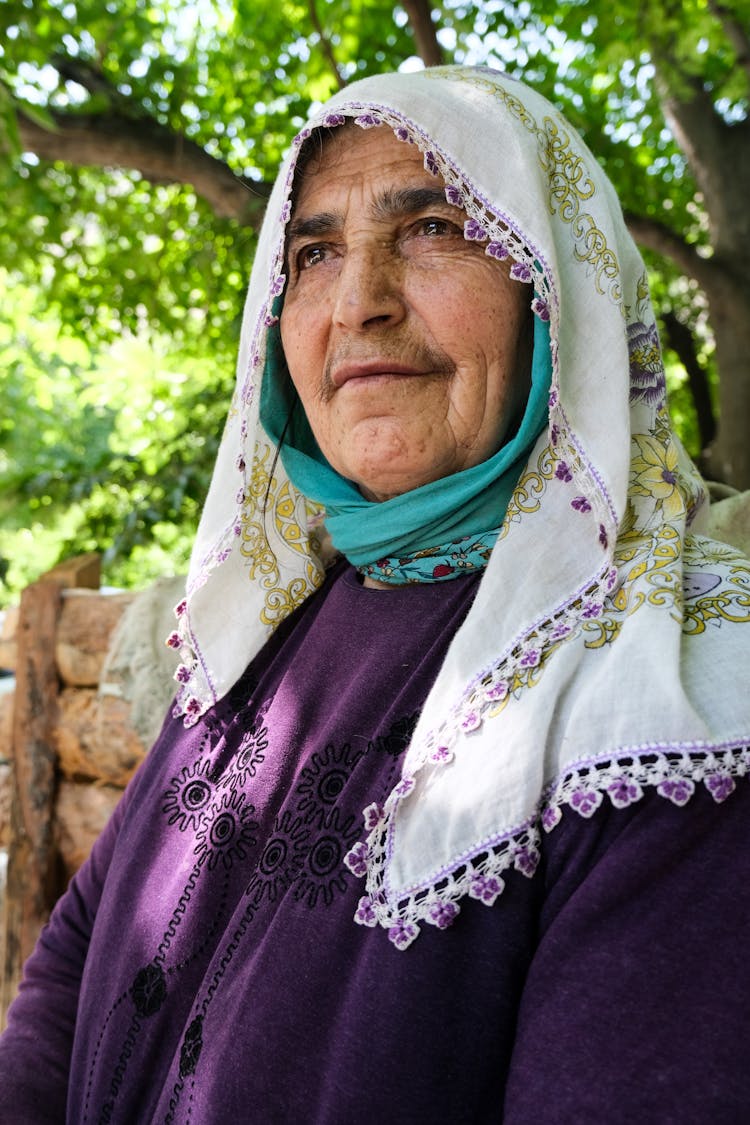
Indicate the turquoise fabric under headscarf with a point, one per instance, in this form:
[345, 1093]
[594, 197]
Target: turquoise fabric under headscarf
[470, 503]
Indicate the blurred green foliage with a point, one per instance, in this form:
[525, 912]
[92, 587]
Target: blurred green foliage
[122, 297]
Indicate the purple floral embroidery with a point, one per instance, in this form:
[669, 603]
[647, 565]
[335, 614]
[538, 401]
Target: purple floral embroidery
[497, 250]
[441, 914]
[402, 134]
[173, 640]
[373, 815]
[551, 816]
[611, 580]
[365, 915]
[270, 320]
[585, 801]
[526, 860]
[431, 163]
[720, 785]
[486, 888]
[560, 631]
[182, 675]
[562, 472]
[192, 713]
[441, 755]
[403, 934]
[474, 232]
[356, 859]
[624, 791]
[404, 787]
[554, 432]
[520, 271]
[278, 285]
[591, 609]
[367, 120]
[333, 119]
[286, 212]
[678, 790]
[647, 382]
[581, 504]
[223, 555]
[180, 608]
[471, 721]
[541, 308]
[497, 691]
[454, 196]
[240, 463]
[552, 400]
[603, 536]
[531, 658]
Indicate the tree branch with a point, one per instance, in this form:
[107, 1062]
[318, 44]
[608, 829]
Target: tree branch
[735, 33]
[419, 13]
[160, 155]
[663, 240]
[325, 44]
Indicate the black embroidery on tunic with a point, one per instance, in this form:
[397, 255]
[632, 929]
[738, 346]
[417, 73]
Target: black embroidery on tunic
[323, 780]
[188, 796]
[149, 990]
[324, 873]
[209, 799]
[395, 740]
[192, 1045]
[282, 859]
[227, 832]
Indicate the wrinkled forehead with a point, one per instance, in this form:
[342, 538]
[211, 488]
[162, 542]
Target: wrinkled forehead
[327, 146]
[373, 171]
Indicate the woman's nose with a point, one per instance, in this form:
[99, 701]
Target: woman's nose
[369, 289]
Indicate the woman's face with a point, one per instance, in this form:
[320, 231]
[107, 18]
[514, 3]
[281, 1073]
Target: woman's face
[409, 347]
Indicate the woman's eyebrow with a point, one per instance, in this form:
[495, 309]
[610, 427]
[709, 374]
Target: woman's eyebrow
[313, 226]
[397, 202]
[391, 203]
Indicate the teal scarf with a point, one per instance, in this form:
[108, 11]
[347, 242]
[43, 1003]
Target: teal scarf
[450, 523]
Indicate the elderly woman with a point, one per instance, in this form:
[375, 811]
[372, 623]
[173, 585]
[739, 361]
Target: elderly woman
[448, 822]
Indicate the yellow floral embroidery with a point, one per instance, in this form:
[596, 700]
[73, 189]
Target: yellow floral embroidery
[569, 183]
[267, 502]
[529, 490]
[654, 474]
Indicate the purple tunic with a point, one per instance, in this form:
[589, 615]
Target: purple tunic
[205, 967]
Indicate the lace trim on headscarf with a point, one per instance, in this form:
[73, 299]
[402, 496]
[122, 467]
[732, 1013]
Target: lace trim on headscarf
[675, 772]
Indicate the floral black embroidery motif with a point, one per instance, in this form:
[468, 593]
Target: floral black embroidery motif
[395, 740]
[282, 858]
[149, 990]
[188, 796]
[192, 1045]
[226, 834]
[323, 781]
[250, 753]
[324, 873]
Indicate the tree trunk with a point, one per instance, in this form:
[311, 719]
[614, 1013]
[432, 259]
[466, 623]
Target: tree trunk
[728, 458]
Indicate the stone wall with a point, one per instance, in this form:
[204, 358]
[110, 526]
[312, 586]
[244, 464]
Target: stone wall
[69, 738]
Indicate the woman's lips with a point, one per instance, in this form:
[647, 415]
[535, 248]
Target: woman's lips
[370, 369]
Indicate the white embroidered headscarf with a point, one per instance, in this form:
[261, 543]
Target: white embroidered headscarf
[606, 650]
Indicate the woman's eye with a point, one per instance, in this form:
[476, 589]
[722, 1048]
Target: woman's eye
[311, 256]
[435, 227]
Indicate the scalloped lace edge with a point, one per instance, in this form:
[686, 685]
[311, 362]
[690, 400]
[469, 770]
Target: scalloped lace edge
[623, 778]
